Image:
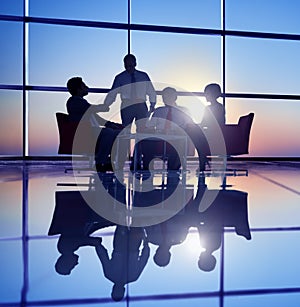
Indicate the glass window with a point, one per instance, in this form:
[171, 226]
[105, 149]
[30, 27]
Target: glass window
[275, 299]
[11, 7]
[43, 131]
[190, 13]
[11, 123]
[11, 52]
[95, 10]
[186, 62]
[57, 53]
[12, 270]
[264, 271]
[262, 66]
[275, 128]
[279, 16]
[10, 204]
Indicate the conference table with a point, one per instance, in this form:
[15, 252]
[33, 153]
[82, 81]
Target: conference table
[179, 142]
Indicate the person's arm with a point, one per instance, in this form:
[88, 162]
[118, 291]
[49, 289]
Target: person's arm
[152, 95]
[99, 108]
[103, 255]
[112, 94]
[101, 121]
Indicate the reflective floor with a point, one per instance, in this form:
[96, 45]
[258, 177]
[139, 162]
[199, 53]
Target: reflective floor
[177, 240]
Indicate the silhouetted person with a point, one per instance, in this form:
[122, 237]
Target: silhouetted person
[127, 262]
[228, 209]
[67, 245]
[172, 119]
[80, 109]
[174, 230]
[215, 112]
[75, 221]
[133, 86]
[165, 235]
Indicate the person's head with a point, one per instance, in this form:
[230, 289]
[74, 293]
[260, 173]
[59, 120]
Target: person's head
[162, 256]
[169, 96]
[66, 263]
[212, 92]
[77, 87]
[207, 262]
[117, 292]
[129, 63]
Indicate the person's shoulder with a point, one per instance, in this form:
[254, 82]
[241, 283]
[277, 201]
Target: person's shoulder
[160, 110]
[142, 74]
[121, 74]
[71, 100]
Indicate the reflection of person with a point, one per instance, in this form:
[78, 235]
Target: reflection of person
[133, 86]
[165, 235]
[215, 112]
[127, 262]
[229, 209]
[74, 221]
[79, 108]
[176, 121]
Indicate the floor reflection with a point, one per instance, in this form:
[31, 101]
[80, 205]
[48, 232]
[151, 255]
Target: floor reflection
[100, 238]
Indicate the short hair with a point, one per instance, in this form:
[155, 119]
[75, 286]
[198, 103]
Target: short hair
[213, 89]
[129, 56]
[162, 256]
[117, 292]
[170, 93]
[65, 264]
[207, 262]
[74, 84]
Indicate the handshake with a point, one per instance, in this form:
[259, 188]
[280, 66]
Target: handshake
[101, 108]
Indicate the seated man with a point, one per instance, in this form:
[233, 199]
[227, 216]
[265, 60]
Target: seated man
[80, 109]
[177, 122]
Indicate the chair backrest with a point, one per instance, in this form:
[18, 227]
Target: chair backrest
[67, 130]
[237, 136]
[245, 124]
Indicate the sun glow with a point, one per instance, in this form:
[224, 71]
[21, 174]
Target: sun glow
[193, 243]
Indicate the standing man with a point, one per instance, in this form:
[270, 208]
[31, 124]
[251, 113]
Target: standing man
[133, 86]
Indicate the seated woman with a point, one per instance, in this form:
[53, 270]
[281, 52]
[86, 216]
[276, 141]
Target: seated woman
[215, 112]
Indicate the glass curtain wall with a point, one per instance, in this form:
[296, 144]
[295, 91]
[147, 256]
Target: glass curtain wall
[183, 44]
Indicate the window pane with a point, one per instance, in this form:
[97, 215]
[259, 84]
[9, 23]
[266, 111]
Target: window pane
[186, 62]
[265, 16]
[95, 10]
[262, 66]
[11, 203]
[275, 128]
[11, 52]
[271, 266]
[43, 131]
[12, 270]
[11, 123]
[11, 7]
[189, 13]
[57, 53]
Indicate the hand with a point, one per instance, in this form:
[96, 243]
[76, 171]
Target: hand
[102, 108]
[152, 107]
